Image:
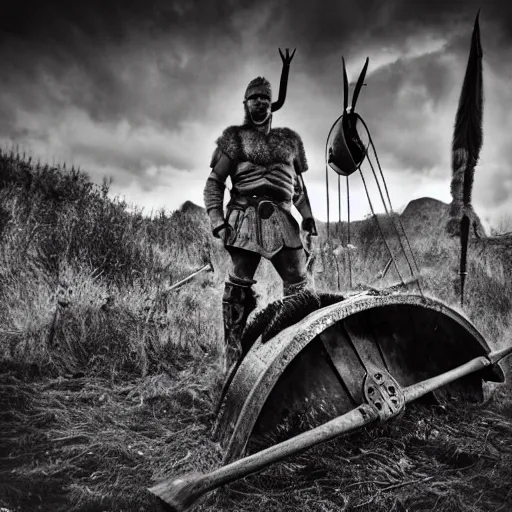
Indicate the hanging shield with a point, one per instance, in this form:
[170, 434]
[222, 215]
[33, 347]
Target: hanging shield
[348, 145]
[348, 140]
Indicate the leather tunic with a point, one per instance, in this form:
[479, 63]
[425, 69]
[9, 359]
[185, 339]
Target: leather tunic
[263, 169]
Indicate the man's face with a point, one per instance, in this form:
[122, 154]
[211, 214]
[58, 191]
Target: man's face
[258, 106]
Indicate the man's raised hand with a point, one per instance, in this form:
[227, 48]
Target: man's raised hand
[287, 58]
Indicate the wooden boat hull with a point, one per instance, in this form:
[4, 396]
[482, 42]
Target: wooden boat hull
[313, 371]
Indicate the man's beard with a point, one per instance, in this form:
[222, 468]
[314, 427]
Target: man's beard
[259, 116]
[257, 119]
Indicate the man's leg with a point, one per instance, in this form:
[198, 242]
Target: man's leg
[238, 301]
[291, 266]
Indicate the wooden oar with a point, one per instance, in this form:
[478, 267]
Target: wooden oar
[182, 492]
[179, 494]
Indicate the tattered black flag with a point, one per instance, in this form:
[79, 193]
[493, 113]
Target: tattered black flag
[466, 145]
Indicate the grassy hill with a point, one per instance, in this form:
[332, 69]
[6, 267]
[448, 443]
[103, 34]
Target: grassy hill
[108, 379]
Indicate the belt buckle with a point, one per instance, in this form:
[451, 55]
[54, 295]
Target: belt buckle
[266, 209]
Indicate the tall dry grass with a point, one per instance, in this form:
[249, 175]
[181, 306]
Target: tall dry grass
[108, 381]
[83, 275]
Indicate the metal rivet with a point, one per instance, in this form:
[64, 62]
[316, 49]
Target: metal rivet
[378, 405]
[371, 390]
[392, 389]
[378, 376]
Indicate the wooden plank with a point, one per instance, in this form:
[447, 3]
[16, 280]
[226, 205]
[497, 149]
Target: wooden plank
[394, 345]
[359, 330]
[308, 393]
[345, 360]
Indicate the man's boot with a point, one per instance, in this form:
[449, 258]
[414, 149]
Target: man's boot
[237, 304]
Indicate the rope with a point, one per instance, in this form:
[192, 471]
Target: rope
[339, 204]
[400, 223]
[379, 226]
[396, 219]
[327, 190]
[348, 234]
[388, 214]
[327, 171]
[348, 211]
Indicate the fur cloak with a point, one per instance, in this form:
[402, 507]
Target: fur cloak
[280, 145]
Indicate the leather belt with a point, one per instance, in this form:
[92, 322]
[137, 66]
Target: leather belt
[242, 202]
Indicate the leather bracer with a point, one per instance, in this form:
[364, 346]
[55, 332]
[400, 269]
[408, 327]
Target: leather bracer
[301, 202]
[213, 193]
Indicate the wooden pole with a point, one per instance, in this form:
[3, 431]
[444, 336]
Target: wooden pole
[182, 492]
[163, 293]
[208, 266]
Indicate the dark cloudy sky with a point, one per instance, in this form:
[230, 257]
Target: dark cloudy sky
[140, 90]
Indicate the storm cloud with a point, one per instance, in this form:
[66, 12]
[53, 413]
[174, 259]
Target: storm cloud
[140, 90]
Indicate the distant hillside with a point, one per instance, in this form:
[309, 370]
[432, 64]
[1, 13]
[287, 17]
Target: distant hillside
[420, 217]
[192, 208]
[426, 213]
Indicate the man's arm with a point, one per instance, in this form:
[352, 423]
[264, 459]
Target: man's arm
[300, 197]
[301, 202]
[213, 193]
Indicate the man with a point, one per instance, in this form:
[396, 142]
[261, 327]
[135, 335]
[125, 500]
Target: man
[265, 166]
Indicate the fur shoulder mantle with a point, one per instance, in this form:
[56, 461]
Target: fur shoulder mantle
[280, 145]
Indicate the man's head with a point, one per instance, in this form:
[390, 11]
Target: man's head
[258, 101]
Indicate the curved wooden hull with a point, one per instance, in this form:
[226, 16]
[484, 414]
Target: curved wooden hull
[313, 371]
